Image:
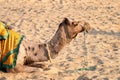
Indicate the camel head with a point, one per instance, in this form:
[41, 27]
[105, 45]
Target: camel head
[75, 27]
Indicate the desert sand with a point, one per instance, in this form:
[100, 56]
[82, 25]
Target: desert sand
[38, 20]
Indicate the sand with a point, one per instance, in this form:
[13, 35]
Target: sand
[39, 19]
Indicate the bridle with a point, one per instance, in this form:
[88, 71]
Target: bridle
[68, 34]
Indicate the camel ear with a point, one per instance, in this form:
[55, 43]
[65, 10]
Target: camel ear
[66, 21]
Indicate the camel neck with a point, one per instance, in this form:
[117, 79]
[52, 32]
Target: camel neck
[58, 41]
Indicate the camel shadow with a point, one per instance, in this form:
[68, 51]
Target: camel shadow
[95, 32]
[83, 77]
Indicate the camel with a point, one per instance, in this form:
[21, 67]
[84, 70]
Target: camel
[30, 53]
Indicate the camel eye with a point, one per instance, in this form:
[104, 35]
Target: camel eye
[74, 24]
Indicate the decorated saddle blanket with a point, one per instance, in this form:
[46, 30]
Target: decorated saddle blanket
[9, 46]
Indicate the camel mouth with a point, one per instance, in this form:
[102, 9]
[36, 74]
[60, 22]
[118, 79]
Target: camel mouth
[86, 27]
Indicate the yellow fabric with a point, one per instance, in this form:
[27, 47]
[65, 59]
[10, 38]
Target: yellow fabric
[9, 46]
[3, 31]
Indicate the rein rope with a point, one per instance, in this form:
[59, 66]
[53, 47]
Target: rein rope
[85, 61]
[85, 64]
[48, 53]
